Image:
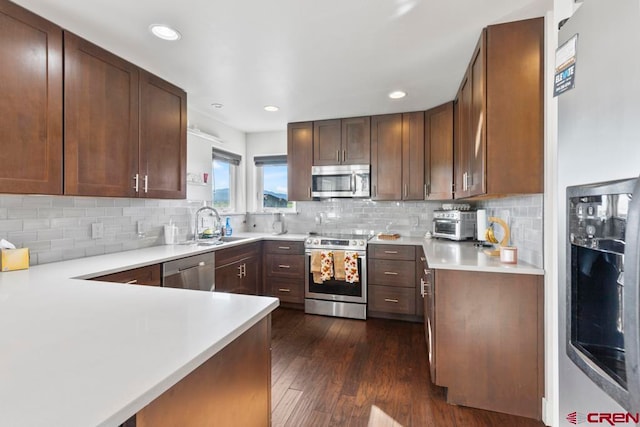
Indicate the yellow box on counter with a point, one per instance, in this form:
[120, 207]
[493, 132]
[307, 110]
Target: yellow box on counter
[14, 259]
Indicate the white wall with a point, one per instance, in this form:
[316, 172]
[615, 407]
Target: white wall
[598, 140]
[234, 141]
[261, 144]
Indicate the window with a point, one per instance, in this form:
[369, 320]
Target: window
[223, 173]
[271, 173]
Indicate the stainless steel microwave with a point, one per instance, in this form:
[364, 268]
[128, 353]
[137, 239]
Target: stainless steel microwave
[341, 181]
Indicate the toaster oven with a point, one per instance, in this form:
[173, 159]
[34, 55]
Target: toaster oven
[454, 224]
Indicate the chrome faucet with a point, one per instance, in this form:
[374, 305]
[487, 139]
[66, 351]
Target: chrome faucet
[205, 208]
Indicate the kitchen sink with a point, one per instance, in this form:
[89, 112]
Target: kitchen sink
[214, 242]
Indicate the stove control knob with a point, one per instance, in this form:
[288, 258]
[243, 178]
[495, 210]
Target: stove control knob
[308, 241]
[361, 242]
[352, 243]
[316, 242]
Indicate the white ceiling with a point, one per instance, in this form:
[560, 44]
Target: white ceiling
[314, 59]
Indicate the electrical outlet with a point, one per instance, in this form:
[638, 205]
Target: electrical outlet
[141, 228]
[97, 230]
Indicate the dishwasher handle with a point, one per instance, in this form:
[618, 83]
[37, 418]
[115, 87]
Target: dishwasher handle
[200, 264]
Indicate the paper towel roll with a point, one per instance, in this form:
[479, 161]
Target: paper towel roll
[481, 227]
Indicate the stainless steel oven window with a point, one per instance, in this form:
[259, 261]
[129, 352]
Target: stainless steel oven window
[328, 295]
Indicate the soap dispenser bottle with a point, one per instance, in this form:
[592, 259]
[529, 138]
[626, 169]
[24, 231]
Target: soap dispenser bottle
[227, 227]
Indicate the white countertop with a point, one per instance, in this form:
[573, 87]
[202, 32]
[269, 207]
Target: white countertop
[451, 255]
[74, 352]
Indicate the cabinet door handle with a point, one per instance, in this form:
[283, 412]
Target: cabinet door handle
[284, 266]
[464, 181]
[395, 301]
[344, 156]
[309, 192]
[425, 192]
[406, 191]
[146, 183]
[284, 290]
[244, 270]
[423, 259]
[390, 252]
[136, 180]
[240, 271]
[131, 282]
[285, 248]
[338, 156]
[422, 287]
[390, 273]
[375, 191]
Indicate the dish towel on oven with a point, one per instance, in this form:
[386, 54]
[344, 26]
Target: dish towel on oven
[321, 266]
[339, 266]
[351, 266]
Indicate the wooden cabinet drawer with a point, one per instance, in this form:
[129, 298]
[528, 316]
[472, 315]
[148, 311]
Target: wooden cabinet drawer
[284, 247]
[389, 299]
[392, 252]
[288, 290]
[392, 273]
[236, 253]
[150, 275]
[291, 266]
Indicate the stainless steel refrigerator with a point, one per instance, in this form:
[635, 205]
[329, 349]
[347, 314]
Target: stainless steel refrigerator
[598, 141]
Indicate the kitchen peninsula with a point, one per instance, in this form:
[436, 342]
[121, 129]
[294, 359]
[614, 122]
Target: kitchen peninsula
[90, 353]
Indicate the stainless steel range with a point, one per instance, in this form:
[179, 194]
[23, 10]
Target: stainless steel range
[336, 275]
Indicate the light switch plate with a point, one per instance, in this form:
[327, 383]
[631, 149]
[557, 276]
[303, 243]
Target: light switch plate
[97, 230]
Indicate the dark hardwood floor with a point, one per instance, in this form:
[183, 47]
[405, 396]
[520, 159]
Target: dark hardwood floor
[339, 372]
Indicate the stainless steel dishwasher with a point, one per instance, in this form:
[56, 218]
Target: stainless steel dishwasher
[194, 272]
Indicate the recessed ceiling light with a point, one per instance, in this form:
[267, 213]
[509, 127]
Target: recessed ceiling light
[271, 108]
[217, 105]
[164, 32]
[397, 94]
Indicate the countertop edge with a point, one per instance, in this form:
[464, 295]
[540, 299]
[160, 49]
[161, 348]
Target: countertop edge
[153, 393]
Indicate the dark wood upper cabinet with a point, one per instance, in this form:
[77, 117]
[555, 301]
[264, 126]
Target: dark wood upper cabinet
[341, 141]
[386, 157]
[101, 121]
[125, 129]
[499, 113]
[327, 142]
[356, 141]
[31, 108]
[397, 156]
[413, 156]
[439, 152]
[163, 138]
[299, 160]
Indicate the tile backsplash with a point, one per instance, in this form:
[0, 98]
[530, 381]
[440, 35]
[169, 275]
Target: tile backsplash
[522, 213]
[56, 228]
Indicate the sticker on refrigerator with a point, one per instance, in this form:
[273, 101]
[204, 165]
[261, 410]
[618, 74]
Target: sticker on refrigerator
[565, 76]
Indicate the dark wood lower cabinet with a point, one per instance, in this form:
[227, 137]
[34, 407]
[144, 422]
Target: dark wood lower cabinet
[150, 275]
[232, 388]
[489, 340]
[239, 269]
[284, 270]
